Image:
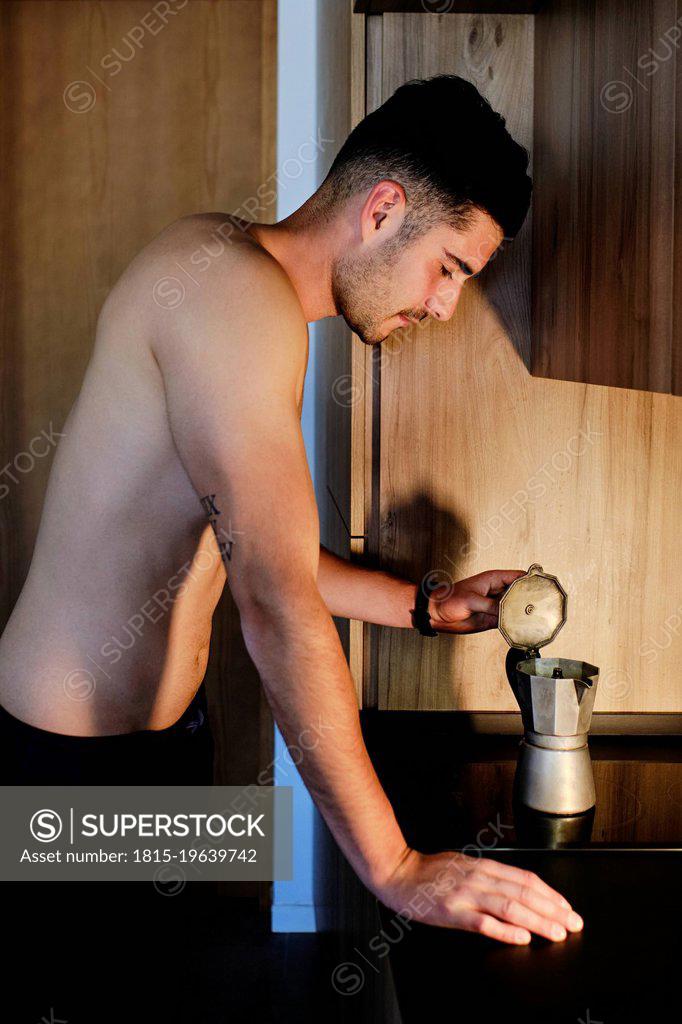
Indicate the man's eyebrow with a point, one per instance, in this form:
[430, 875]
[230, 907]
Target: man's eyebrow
[469, 271]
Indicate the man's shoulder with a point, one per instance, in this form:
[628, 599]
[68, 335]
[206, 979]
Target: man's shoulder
[220, 300]
[209, 258]
[201, 273]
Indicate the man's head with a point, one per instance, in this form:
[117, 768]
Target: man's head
[429, 185]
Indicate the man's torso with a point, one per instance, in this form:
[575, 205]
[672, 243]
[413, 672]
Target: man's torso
[111, 631]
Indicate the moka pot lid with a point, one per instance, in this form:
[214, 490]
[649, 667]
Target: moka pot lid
[532, 610]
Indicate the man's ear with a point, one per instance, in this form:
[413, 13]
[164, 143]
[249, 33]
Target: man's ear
[385, 203]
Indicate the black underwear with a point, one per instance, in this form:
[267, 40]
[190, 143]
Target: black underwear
[180, 755]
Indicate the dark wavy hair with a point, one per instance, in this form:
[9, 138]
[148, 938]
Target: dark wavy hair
[449, 150]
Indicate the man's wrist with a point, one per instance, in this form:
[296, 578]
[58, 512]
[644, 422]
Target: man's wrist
[384, 878]
[381, 874]
[434, 613]
[422, 611]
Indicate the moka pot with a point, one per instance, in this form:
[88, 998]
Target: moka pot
[555, 695]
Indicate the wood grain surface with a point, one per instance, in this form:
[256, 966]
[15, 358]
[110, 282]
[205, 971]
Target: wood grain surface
[113, 127]
[480, 465]
[607, 280]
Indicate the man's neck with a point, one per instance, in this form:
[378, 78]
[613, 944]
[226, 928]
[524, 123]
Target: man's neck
[306, 257]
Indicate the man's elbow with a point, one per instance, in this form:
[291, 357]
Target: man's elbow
[266, 596]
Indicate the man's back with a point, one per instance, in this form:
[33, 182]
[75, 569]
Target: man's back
[111, 631]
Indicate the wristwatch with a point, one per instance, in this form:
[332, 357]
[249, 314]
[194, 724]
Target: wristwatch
[420, 613]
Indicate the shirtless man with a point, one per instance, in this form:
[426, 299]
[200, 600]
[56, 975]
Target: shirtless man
[183, 464]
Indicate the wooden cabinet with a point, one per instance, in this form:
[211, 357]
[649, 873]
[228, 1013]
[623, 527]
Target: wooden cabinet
[607, 256]
[607, 261]
[445, 454]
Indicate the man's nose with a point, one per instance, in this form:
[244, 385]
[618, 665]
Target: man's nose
[441, 305]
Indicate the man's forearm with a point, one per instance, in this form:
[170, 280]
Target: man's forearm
[296, 649]
[353, 592]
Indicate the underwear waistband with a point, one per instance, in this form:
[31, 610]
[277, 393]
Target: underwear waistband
[193, 719]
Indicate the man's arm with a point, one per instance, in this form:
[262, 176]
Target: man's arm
[371, 595]
[374, 595]
[231, 358]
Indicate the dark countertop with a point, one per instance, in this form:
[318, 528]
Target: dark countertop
[620, 867]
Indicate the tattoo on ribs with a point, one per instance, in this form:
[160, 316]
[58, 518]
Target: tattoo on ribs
[225, 539]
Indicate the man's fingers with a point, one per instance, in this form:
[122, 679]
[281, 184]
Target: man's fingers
[480, 621]
[478, 603]
[512, 910]
[502, 578]
[493, 581]
[485, 924]
[476, 623]
[522, 877]
[536, 901]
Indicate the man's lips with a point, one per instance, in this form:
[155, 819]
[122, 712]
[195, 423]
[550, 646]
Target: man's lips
[410, 319]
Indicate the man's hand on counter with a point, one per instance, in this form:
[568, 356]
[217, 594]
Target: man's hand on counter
[473, 604]
[453, 890]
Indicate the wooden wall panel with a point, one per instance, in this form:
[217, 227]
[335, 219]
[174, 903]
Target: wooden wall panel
[511, 469]
[179, 119]
[608, 266]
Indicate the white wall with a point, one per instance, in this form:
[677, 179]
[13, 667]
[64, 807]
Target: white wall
[293, 907]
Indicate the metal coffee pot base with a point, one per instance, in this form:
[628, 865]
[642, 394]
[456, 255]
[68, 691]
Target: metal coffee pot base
[555, 779]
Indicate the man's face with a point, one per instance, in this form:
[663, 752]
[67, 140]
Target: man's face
[382, 285]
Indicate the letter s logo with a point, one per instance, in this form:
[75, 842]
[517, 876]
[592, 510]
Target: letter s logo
[46, 826]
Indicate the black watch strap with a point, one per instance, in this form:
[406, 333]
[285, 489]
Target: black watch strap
[420, 613]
